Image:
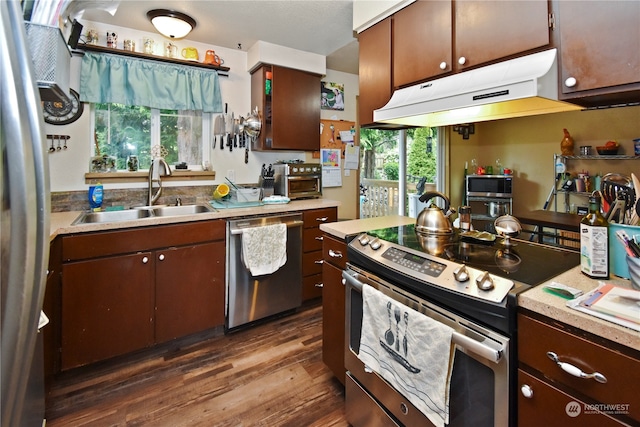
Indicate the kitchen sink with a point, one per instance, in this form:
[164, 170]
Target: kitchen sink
[140, 213]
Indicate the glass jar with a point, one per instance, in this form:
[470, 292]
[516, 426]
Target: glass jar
[132, 163]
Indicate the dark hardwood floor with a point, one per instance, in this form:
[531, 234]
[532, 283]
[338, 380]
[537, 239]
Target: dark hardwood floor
[268, 375]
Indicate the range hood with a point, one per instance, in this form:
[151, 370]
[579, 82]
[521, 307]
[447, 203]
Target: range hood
[518, 87]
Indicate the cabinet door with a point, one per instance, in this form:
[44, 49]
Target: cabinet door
[333, 322]
[600, 44]
[489, 30]
[374, 70]
[189, 289]
[107, 308]
[422, 41]
[295, 104]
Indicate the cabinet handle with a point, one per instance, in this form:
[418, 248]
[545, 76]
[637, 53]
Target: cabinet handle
[570, 82]
[344, 282]
[443, 65]
[526, 391]
[319, 238]
[462, 60]
[323, 219]
[145, 259]
[335, 254]
[574, 370]
[319, 261]
[319, 285]
[161, 257]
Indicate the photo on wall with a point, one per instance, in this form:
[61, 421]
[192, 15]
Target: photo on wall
[332, 96]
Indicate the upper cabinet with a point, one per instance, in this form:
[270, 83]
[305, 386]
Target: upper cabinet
[599, 51]
[435, 38]
[289, 103]
[375, 70]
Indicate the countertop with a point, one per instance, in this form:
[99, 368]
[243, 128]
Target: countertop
[60, 222]
[536, 299]
[542, 302]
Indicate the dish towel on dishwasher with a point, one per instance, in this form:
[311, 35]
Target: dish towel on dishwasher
[264, 248]
[411, 351]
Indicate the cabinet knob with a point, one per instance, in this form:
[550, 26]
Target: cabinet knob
[161, 257]
[319, 285]
[570, 82]
[322, 219]
[319, 261]
[344, 282]
[319, 238]
[526, 391]
[145, 260]
[335, 254]
[462, 60]
[443, 65]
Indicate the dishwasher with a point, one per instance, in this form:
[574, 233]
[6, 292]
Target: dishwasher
[251, 298]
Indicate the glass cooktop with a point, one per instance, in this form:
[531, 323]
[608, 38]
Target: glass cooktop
[522, 261]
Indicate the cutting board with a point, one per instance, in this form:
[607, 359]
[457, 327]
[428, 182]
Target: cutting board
[227, 204]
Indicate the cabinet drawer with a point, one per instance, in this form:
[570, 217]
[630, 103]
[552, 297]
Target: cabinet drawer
[621, 371]
[312, 240]
[319, 216]
[311, 287]
[334, 251]
[94, 245]
[311, 263]
[550, 406]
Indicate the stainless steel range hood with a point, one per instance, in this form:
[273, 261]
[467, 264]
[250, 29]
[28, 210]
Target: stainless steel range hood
[518, 87]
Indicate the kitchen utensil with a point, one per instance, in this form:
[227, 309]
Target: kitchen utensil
[388, 335]
[433, 220]
[53, 149]
[496, 209]
[253, 124]
[610, 185]
[396, 314]
[232, 132]
[507, 226]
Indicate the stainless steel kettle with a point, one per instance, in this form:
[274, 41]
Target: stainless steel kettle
[432, 219]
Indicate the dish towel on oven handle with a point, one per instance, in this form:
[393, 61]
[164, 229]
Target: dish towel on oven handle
[264, 248]
[411, 351]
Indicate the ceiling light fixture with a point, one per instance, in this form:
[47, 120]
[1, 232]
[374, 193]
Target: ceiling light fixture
[172, 24]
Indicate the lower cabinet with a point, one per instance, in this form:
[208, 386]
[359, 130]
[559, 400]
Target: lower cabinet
[312, 250]
[549, 394]
[333, 299]
[126, 290]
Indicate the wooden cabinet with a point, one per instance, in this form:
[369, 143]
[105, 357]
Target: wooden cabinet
[599, 51]
[290, 111]
[333, 299]
[130, 289]
[374, 70]
[312, 250]
[549, 394]
[431, 39]
[51, 307]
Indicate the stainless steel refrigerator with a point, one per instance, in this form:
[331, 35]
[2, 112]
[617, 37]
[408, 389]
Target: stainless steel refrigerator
[24, 224]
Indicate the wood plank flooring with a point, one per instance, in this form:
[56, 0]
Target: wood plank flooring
[269, 375]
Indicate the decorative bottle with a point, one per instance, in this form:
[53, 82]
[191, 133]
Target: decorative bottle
[566, 145]
[594, 242]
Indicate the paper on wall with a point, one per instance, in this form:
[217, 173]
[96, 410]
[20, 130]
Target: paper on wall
[331, 178]
[351, 156]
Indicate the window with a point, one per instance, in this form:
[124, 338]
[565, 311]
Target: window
[122, 131]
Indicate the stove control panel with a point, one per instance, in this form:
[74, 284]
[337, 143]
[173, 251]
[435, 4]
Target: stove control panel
[432, 270]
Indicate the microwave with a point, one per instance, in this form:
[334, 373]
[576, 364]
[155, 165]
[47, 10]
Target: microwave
[489, 185]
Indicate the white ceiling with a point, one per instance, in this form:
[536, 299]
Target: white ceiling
[318, 26]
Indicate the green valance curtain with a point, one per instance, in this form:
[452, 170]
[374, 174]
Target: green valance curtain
[107, 78]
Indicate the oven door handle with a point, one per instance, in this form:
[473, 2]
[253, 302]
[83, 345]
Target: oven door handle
[465, 342]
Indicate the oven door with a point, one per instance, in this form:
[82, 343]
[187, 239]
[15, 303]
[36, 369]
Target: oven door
[304, 186]
[479, 388]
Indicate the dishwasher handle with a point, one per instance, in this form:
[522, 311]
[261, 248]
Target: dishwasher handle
[290, 224]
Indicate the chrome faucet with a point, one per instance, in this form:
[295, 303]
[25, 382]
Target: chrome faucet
[167, 172]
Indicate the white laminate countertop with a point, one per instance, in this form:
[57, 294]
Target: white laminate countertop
[60, 222]
[547, 304]
[342, 229]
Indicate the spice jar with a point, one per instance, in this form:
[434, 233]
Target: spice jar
[465, 218]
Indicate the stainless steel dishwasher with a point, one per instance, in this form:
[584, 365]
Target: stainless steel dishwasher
[252, 298]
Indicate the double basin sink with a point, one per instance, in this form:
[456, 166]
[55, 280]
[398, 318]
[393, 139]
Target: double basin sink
[140, 213]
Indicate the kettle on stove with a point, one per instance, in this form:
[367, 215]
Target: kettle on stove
[432, 219]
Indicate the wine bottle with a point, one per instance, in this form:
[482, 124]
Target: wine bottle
[594, 242]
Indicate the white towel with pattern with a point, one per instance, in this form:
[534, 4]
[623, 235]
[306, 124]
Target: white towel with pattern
[413, 352]
[264, 248]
